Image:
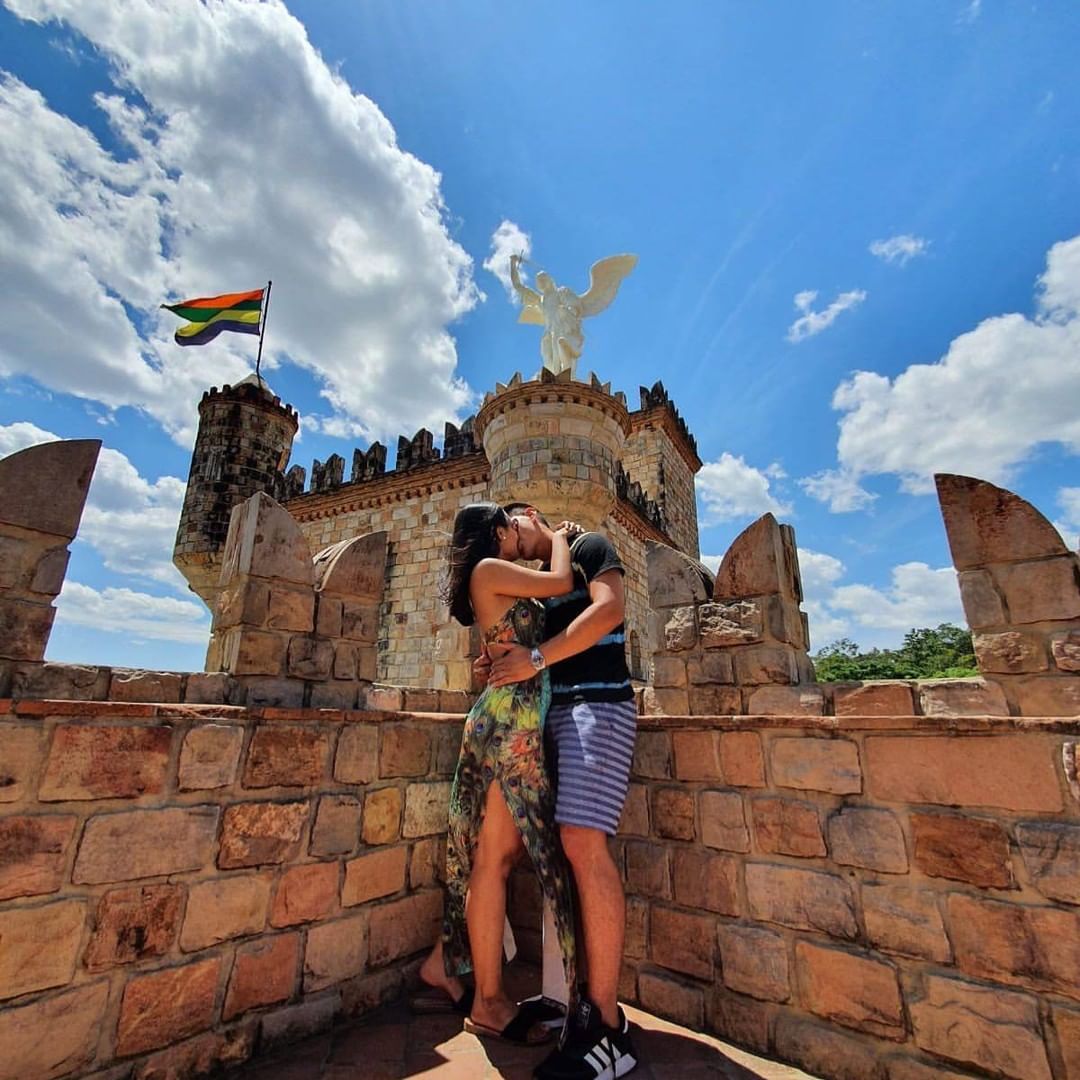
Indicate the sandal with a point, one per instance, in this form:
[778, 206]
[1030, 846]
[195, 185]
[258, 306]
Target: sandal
[523, 1030]
[430, 1000]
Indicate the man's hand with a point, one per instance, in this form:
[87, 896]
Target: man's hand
[510, 663]
[481, 667]
[571, 528]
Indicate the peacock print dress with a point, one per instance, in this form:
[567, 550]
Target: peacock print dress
[503, 743]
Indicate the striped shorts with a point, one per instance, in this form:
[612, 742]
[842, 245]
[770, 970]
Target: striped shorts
[592, 747]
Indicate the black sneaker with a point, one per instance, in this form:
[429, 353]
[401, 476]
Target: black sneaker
[591, 1050]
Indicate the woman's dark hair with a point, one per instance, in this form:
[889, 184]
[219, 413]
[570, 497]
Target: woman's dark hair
[474, 539]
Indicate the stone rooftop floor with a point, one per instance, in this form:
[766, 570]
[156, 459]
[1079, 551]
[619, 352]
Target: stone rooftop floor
[392, 1044]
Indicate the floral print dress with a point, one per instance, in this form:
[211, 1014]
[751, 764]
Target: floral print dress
[503, 743]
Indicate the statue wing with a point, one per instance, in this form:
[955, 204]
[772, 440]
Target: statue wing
[604, 280]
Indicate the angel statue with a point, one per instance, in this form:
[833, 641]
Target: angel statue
[559, 310]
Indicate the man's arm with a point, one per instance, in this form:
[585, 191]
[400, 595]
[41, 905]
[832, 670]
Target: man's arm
[511, 663]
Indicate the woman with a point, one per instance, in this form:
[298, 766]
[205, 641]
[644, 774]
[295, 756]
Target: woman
[501, 802]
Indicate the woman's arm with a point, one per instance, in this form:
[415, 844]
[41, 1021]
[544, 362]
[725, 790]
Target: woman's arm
[508, 579]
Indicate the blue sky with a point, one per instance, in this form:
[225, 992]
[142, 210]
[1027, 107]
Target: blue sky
[858, 228]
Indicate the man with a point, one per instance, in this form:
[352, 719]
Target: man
[591, 727]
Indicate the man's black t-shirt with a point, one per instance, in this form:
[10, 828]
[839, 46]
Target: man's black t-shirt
[599, 673]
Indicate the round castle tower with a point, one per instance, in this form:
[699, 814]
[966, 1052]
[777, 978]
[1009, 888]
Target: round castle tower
[244, 441]
[556, 443]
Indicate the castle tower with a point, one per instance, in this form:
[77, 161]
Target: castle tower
[557, 443]
[244, 440]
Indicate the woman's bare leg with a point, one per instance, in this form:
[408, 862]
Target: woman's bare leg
[433, 972]
[498, 847]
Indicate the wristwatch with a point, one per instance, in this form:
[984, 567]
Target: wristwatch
[537, 659]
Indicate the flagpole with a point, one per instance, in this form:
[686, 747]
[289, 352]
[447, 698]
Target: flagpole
[262, 330]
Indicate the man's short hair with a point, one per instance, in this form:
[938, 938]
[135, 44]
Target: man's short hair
[520, 507]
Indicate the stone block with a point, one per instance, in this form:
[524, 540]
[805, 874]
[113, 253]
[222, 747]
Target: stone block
[673, 579]
[344, 666]
[801, 899]
[668, 672]
[242, 603]
[208, 688]
[1067, 1026]
[256, 833]
[264, 973]
[850, 989]
[741, 758]
[909, 1068]
[652, 755]
[1010, 772]
[660, 702]
[710, 668]
[985, 1027]
[706, 880]
[673, 813]
[33, 853]
[270, 693]
[962, 697]
[24, 629]
[335, 951]
[305, 893]
[458, 702]
[982, 603]
[723, 821]
[740, 1020]
[755, 962]
[672, 999]
[380, 873]
[290, 608]
[337, 825]
[427, 864]
[813, 764]
[406, 926]
[385, 698]
[680, 629]
[420, 699]
[167, 1006]
[1043, 591]
[1010, 943]
[357, 758]
[133, 924]
[334, 695]
[327, 616]
[683, 942]
[355, 567]
[224, 908]
[209, 756]
[873, 699]
[635, 815]
[786, 701]
[53, 1037]
[738, 622]
[253, 652]
[823, 1051]
[286, 755]
[61, 682]
[962, 849]
[714, 700]
[1065, 649]
[264, 541]
[648, 870]
[867, 837]
[96, 761]
[40, 946]
[697, 755]
[905, 920]
[756, 564]
[1010, 651]
[145, 843]
[284, 1027]
[1051, 853]
[1051, 696]
[21, 749]
[199, 1056]
[382, 815]
[154, 686]
[360, 622]
[406, 750]
[765, 664]
[426, 808]
[787, 827]
[310, 658]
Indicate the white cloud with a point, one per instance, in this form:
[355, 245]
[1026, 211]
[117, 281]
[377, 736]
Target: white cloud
[838, 489]
[729, 489]
[812, 322]
[1068, 499]
[971, 12]
[129, 520]
[255, 161]
[918, 596]
[135, 614]
[900, 249]
[508, 239]
[1000, 391]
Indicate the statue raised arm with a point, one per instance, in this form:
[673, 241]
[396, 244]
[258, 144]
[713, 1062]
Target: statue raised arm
[559, 310]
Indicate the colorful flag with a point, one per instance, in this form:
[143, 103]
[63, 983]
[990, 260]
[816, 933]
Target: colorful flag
[210, 315]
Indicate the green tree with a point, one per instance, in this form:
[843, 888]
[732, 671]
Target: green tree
[942, 652]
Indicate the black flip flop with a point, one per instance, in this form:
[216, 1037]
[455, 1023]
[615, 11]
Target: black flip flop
[518, 1031]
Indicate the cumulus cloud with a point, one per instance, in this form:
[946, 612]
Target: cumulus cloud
[508, 239]
[304, 182]
[135, 614]
[900, 249]
[838, 489]
[1068, 524]
[918, 596]
[729, 489]
[812, 322]
[1000, 391]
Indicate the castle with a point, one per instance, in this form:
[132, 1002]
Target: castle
[573, 448]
